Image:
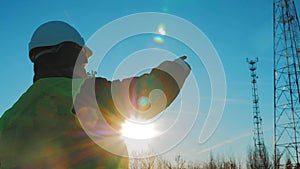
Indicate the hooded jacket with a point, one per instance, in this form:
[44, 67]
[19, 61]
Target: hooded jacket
[50, 125]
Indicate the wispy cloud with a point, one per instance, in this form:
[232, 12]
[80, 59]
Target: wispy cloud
[227, 100]
[231, 140]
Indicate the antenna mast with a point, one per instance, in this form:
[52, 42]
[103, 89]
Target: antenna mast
[258, 138]
[286, 84]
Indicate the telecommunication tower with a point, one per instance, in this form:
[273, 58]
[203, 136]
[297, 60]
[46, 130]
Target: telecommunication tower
[258, 138]
[286, 84]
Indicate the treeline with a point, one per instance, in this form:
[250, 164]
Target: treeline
[254, 160]
[157, 162]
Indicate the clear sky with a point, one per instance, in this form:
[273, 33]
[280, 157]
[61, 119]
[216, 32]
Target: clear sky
[238, 29]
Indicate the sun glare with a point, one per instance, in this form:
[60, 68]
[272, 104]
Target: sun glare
[161, 29]
[138, 131]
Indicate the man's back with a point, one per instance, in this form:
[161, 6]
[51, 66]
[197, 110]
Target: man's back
[40, 131]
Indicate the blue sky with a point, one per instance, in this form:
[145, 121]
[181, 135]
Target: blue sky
[238, 29]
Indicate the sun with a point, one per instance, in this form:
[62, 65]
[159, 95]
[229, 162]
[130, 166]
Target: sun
[138, 131]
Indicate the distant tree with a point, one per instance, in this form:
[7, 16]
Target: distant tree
[266, 162]
[179, 162]
[212, 162]
[277, 160]
[288, 164]
[220, 163]
[258, 159]
[157, 162]
[149, 162]
[251, 159]
[297, 166]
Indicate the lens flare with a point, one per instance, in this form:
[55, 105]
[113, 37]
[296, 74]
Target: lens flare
[165, 9]
[143, 102]
[160, 32]
[158, 39]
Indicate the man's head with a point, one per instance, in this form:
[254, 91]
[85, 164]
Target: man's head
[52, 34]
[54, 48]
